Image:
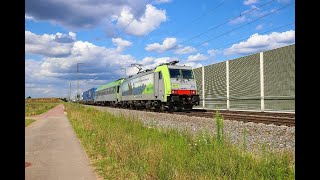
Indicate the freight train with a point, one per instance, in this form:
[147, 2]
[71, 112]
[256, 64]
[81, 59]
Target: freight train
[166, 87]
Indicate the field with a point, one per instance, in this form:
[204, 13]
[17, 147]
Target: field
[28, 122]
[123, 148]
[43, 100]
[40, 105]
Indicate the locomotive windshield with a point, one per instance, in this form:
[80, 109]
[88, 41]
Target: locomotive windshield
[187, 74]
[174, 73]
[181, 73]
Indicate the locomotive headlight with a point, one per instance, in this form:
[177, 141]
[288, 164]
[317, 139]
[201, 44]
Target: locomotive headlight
[174, 92]
[193, 91]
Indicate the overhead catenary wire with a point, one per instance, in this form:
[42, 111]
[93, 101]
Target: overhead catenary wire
[265, 32]
[244, 13]
[198, 18]
[195, 19]
[242, 39]
[223, 23]
[210, 39]
[277, 10]
[125, 27]
[228, 21]
[283, 7]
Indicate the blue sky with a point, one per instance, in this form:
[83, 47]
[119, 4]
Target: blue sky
[107, 35]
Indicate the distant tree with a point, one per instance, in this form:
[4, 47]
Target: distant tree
[64, 99]
[29, 97]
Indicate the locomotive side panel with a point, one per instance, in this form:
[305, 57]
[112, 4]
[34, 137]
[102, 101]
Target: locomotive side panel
[108, 94]
[138, 88]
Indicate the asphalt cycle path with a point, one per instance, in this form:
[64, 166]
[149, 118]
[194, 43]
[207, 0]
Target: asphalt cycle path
[53, 151]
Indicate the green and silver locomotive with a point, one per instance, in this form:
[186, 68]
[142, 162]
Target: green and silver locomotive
[167, 87]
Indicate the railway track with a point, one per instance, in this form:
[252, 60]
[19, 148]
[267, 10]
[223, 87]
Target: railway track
[286, 119]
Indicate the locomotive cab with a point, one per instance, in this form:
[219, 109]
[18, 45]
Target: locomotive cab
[175, 86]
[183, 95]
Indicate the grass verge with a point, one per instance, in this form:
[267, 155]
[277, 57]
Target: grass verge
[35, 108]
[28, 122]
[43, 100]
[121, 147]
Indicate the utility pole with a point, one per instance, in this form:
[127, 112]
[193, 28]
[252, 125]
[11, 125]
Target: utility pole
[78, 86]
[70, 92]
[125, 70]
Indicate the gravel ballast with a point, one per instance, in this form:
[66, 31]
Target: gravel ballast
[274, 137]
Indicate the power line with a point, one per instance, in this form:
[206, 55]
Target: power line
[70, 92]
[210, 29]
[125, 27]
[194, 20]
[283, 7]
[78, 86]
[253, 9]
[265, 32]
[135, 16]
[198, 18]
[177, 45]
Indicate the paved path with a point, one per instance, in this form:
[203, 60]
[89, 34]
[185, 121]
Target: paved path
[53, 149]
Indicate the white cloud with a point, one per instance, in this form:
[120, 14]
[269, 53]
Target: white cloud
[248, 2]
[28, 17]
[239, 20]
[72, 35]
[151, 20]
[247, 15]
[86, 14]
[257, 43]
[284, 1]
[167, 44]
[98, 58]
[162, 1]
[192, 64]
[51, 45]
[65, 38]
[196, 58]
[150, 63]
[53, 69]
[73, 13]
[185, 50]
[213, 52]
[121, 44]
[37, 85]
[205, 44]
[259, 27]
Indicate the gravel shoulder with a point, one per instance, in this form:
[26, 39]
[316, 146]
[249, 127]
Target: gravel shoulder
[273, 137]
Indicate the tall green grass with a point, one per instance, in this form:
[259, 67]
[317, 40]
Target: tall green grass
[44, 100]
[35, 108]
[28, 122]
[122, 147]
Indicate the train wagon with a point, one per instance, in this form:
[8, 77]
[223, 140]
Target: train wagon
[168, 86]
[108, 94]
[88, 96]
